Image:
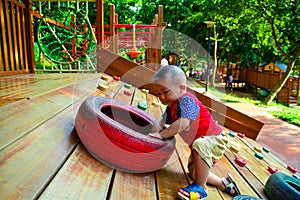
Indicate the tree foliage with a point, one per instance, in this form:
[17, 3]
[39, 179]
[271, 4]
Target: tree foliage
[254, 31]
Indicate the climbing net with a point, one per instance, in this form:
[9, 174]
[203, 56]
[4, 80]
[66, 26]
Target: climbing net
[65, 35]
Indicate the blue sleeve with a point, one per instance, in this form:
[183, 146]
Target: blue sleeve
[189, 108]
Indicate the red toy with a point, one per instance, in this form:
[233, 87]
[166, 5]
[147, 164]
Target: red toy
[292, 169]
[127, 92]
[116, 78]
[241, 162]
[272, 170]
[241, 135]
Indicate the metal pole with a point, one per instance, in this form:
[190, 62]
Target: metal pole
[208, 64]
[209, 25]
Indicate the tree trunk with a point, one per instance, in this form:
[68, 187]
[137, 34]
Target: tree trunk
[280, 84]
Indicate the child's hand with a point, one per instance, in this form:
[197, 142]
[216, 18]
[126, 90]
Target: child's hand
[156, 135]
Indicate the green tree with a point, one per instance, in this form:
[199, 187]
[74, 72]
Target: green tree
[277, 29]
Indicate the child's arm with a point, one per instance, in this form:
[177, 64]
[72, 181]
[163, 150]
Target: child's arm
[176, 127]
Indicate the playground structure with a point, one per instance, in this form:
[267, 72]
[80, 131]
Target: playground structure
[264, 77]
[70, 45]
[149, 38]
[109, 37]
[80, 54]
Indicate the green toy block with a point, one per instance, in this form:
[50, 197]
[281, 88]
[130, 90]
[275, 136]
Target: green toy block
[142, 106]
[266, 149]
[126, 85]
[259, 155]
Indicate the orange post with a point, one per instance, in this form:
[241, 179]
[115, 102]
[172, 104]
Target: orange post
[29, 33]
[116, 48]
[112, 29]
[100, 22]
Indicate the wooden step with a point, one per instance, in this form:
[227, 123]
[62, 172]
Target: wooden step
[19, 118]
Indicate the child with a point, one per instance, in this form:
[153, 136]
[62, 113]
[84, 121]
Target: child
[230, 80]
[188, 117]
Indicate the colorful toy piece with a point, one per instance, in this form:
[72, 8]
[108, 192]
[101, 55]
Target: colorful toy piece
[241, 135]
[258, 149]
[142, 106]
[266, 149]
[116, 78]
[231, 134]
[126, 85]
[292, 169]
[272, 170]
[102, 87]
[145, 91]
[127, 92]
[259, 155]
[241, 162]
[295, 176]
[105, 77]
[235, 147]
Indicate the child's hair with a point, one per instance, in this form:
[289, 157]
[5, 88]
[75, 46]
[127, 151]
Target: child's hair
[171, 72]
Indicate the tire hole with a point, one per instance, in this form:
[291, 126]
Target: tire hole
[128, 118]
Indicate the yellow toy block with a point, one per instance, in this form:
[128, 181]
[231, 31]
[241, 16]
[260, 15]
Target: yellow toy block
[103, 87]
[105, 77]
[258, 149]
[235, 147]
[145, 91]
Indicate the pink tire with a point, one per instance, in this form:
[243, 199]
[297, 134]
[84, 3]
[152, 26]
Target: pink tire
[116, 134]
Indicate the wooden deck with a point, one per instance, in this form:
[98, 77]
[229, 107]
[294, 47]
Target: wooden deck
[41, 156]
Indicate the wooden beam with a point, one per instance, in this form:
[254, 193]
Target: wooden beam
[140, 76]
[112, 30]
[29, 35]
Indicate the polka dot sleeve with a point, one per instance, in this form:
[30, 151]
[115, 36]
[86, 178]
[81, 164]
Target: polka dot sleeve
[189, 108]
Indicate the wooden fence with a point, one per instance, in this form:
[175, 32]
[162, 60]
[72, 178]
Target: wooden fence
[268, 80]
[261, 79]
[16, 55]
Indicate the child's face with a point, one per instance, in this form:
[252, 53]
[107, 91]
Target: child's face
[169, 92]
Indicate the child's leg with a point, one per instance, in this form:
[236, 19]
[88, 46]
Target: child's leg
[201, 170]
[215, 181]
[204, 176]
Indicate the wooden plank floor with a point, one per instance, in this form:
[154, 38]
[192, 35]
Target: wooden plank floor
[41, 156]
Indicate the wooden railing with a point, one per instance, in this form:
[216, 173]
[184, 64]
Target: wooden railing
[268, 80]
[16, 55]
[289, 93]
[265, 80]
